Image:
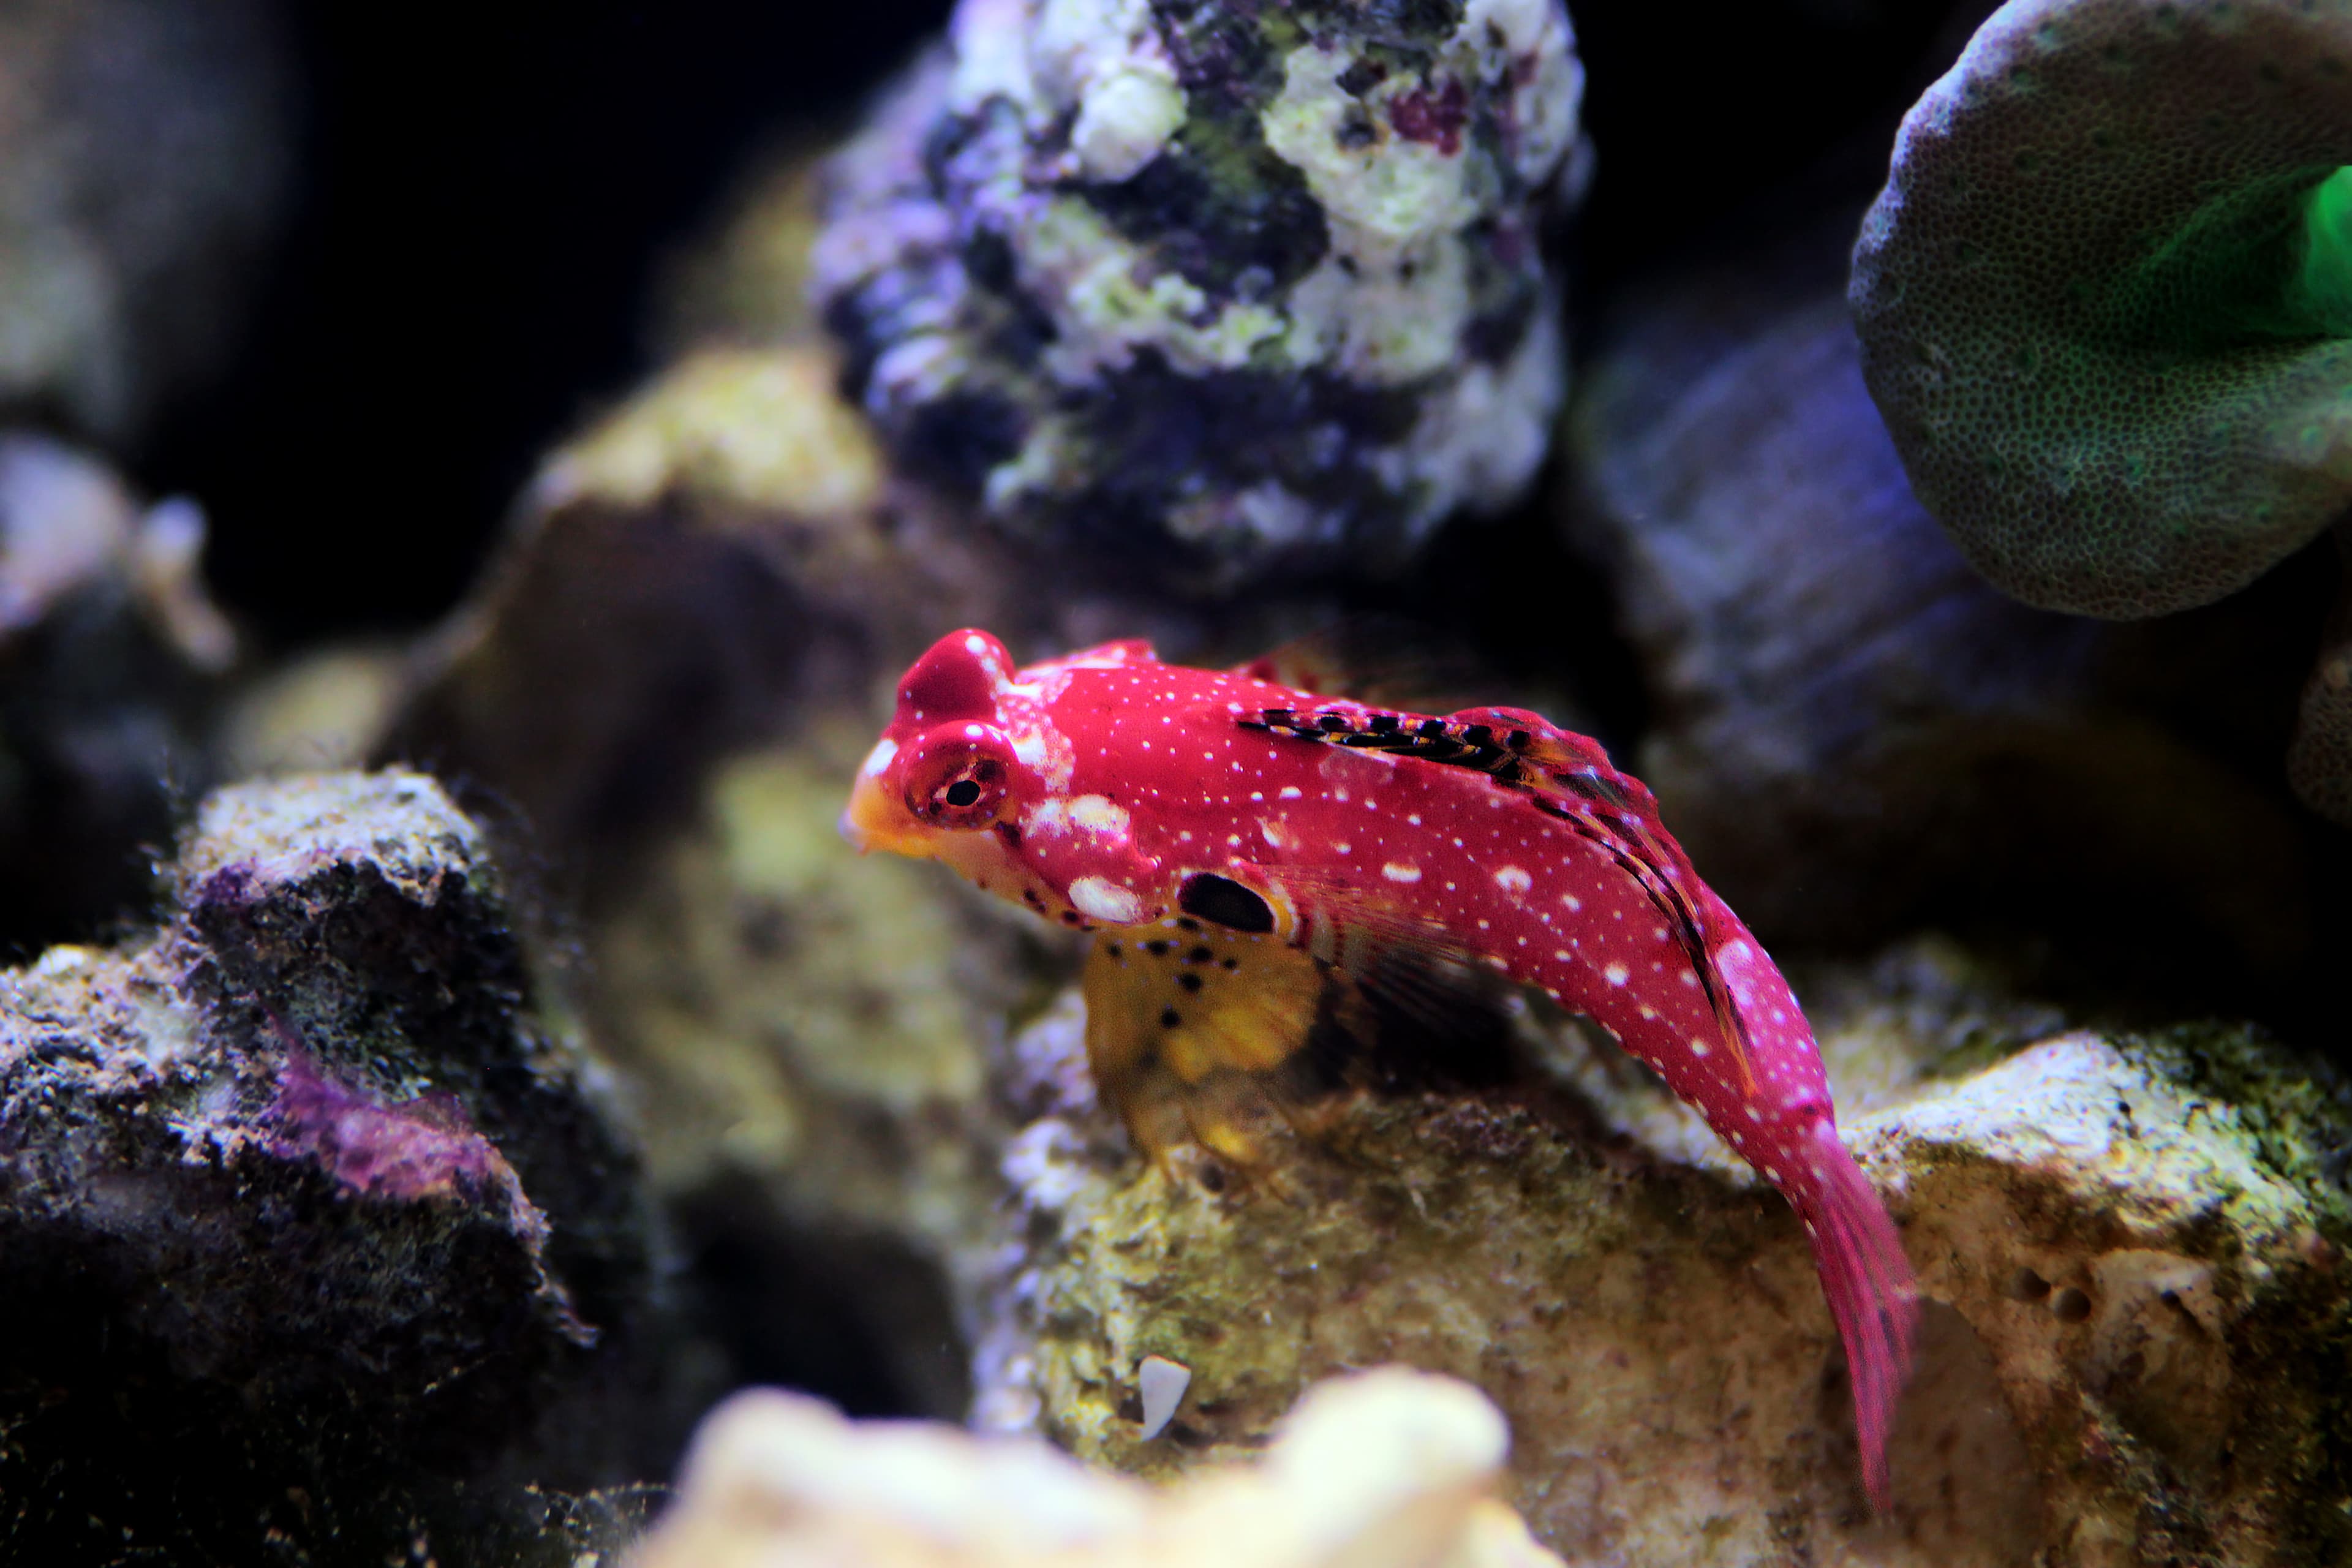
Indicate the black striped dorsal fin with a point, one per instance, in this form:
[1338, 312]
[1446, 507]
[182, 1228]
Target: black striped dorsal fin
[1500, 754]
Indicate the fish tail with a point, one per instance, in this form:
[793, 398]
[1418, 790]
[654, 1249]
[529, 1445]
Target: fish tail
[1869, 1286]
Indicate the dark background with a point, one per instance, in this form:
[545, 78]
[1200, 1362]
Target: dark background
[486, 196]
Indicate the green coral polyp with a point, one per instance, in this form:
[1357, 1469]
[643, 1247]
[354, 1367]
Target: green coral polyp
[2323, 288]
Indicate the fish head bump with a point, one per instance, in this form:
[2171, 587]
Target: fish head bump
[947, 771]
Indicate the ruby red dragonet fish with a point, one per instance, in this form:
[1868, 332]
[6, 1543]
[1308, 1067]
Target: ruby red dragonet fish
[1233, 841]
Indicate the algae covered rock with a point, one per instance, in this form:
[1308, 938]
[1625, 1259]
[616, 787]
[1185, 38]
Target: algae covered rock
[659, 690]
[320, 711]
[305, 1202]
[1263, 281]
[802, 1029]
[2128, 1248]
[1387, 1467]
[679, 576]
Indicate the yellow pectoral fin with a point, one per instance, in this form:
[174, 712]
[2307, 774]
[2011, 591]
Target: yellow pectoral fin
[1173, 1010]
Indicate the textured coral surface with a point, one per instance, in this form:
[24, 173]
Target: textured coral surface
[2080, 302]
[1264, 280]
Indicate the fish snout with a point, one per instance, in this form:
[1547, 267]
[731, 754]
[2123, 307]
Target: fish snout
[875, 820]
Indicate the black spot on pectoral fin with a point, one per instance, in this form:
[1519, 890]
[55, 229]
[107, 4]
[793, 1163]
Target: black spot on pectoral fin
[1223, 901]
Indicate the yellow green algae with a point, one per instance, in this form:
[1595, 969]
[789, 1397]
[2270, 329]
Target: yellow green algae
[772, 989]
[758, 427]
[747, 284]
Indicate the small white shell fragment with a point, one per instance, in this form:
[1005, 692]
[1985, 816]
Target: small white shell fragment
[1163, 1383]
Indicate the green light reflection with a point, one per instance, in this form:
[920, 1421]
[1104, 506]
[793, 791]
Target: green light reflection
[2323, 288]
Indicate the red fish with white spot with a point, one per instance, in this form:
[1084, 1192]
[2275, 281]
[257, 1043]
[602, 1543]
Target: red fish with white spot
[1114, 793]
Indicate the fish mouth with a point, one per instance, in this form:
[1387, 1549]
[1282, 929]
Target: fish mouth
[874, 821]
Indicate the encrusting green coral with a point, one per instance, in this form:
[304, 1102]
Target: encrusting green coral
[2105, 305]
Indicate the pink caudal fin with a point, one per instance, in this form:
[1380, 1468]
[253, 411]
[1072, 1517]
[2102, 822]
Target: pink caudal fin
[1856, 1250]
[1868, 1283]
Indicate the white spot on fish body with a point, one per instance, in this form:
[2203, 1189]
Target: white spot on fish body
[1106, 900]
[975, 644]
[1287, 791]
[1513, 880]
[1396, 872]
[1615, 974]
[1100, 815]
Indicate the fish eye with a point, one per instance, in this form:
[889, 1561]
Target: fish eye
[959, 781]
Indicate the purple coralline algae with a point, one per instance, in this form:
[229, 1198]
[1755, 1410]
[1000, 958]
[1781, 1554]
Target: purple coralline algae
[301, 1187]
[1260, 284]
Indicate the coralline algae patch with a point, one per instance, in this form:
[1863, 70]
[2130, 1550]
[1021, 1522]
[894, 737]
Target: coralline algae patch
[1266, 279]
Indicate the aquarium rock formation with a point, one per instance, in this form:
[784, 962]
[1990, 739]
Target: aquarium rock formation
[142, 166]
[301, 1184]
[1388, 1468]
[1849, 729]
[112, 658]
[1264, 283]
[2130, 1250]
[659, 687]
[2105, 304]
[681, 577]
